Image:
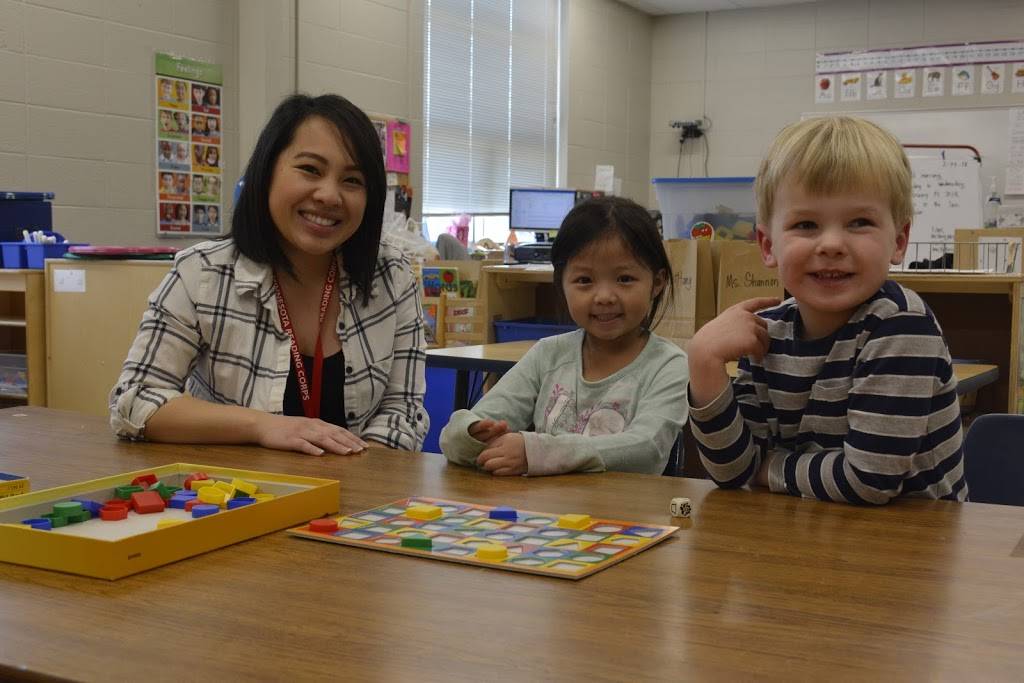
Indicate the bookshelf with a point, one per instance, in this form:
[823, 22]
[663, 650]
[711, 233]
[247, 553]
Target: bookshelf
[23, 335]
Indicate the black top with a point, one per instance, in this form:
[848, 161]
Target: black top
[332, 393]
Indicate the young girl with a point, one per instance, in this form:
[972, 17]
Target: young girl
[301, 330]
[609, 396]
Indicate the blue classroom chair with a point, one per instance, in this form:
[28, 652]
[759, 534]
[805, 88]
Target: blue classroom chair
[994, 459]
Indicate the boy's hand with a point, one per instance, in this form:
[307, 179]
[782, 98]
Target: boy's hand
[487, 431]
[736, 332]
[505, 456]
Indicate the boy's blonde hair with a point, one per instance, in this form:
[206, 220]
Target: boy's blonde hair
[836, 154]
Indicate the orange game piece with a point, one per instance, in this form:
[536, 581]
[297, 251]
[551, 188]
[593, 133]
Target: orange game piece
[113, 513]
[147, 501]
[144, 480]
[324, 526]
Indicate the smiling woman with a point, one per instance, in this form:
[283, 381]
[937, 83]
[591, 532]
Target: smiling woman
[301, 330]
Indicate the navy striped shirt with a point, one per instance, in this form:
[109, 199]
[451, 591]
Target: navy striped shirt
[862, 416]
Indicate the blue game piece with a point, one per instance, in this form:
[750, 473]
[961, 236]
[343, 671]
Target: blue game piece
[505, 513]
[240, 502]
[178, 502]
[188, 493]
[204, 510]
[38, 523]
[91, 505]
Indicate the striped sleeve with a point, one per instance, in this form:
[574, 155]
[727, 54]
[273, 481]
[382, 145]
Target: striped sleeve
[903, 434]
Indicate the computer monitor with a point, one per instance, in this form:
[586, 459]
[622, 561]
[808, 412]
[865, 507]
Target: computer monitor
[538, 209]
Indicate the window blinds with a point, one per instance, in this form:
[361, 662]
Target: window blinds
[490, 101]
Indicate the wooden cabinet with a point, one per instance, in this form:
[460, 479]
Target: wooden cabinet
[22, 333]
[88, 332]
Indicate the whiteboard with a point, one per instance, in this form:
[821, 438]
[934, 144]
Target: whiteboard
[987, 129]
[947, 196]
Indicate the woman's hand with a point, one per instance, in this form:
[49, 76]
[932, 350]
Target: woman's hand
[306, 435]
[505, 455]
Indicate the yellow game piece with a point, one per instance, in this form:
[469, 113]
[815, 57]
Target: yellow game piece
[263, 497]
[574, 521]
[245, 487]
[211, 495]
[492, 552]
[228, 489]
[423, 512]
[164, 523]
[200, 483]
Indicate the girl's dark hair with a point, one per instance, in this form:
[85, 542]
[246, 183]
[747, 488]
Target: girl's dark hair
[604, 217]
[253, 229]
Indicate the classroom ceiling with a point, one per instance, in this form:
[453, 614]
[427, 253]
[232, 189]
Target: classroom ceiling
[660, 7]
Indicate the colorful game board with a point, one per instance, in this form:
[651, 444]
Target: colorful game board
[568, 546]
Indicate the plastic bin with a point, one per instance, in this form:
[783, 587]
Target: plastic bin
[528, 328]
[24, 211]
[35, 254]
[12, 254]
[707, 208]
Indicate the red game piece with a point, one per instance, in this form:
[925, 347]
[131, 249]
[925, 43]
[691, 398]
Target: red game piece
[147, 502]
[195, 476]
[117, 502]
[324, 526]
[113, 513]
[144, 480]
[192, 503]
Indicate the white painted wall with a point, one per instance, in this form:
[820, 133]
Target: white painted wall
[609, 94]
[758, 75]
[370, 51]
[77, 104]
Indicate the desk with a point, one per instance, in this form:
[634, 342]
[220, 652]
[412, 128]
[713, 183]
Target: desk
[479, 358]
[501, 357]
[755, 585]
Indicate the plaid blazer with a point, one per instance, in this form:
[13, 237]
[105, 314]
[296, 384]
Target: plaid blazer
[212, 330]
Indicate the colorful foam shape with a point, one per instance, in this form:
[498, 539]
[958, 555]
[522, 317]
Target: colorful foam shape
[504, 513]
[417, 542]
[423, 512]
[90, 505]
[491, 551]
[113, 513]
[240, 502]
[147, 502]
[38, 523]
[144, 480]
[204, 510]
[327, 525]
[178, 502]
[245, 487]
[574, 521]
[125, 492]
[66, 508]
[164, 523]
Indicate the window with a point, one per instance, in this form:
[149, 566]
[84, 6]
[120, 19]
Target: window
[490, 105]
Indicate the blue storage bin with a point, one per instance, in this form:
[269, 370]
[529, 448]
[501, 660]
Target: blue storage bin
[528, 328]
[13, 254]
[24, 211]
[35, 254]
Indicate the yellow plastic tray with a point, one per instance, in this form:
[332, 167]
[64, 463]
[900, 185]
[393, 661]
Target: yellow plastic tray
[297, 499]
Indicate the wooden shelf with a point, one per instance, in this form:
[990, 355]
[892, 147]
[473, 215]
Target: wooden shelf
[23, 328]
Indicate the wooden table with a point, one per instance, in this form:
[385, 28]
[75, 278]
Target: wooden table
[755, 585]
[501, 357]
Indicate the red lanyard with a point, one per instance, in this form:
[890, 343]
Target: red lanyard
[310, 400]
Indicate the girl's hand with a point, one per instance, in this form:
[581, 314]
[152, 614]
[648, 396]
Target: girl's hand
[487, 431]
[505, 456]
[306, 435]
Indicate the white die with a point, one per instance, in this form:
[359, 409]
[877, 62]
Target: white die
[680, 507]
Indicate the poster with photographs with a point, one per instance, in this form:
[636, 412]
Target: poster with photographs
[189, 171]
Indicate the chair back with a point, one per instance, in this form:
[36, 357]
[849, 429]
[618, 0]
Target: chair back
[994, 459]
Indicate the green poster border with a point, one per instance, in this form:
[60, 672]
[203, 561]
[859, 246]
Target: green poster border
[191, 69]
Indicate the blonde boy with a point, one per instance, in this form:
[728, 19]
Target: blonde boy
[845, 391]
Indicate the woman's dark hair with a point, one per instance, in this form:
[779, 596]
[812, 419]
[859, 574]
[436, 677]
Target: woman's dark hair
[604, 217]
[252, 227]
